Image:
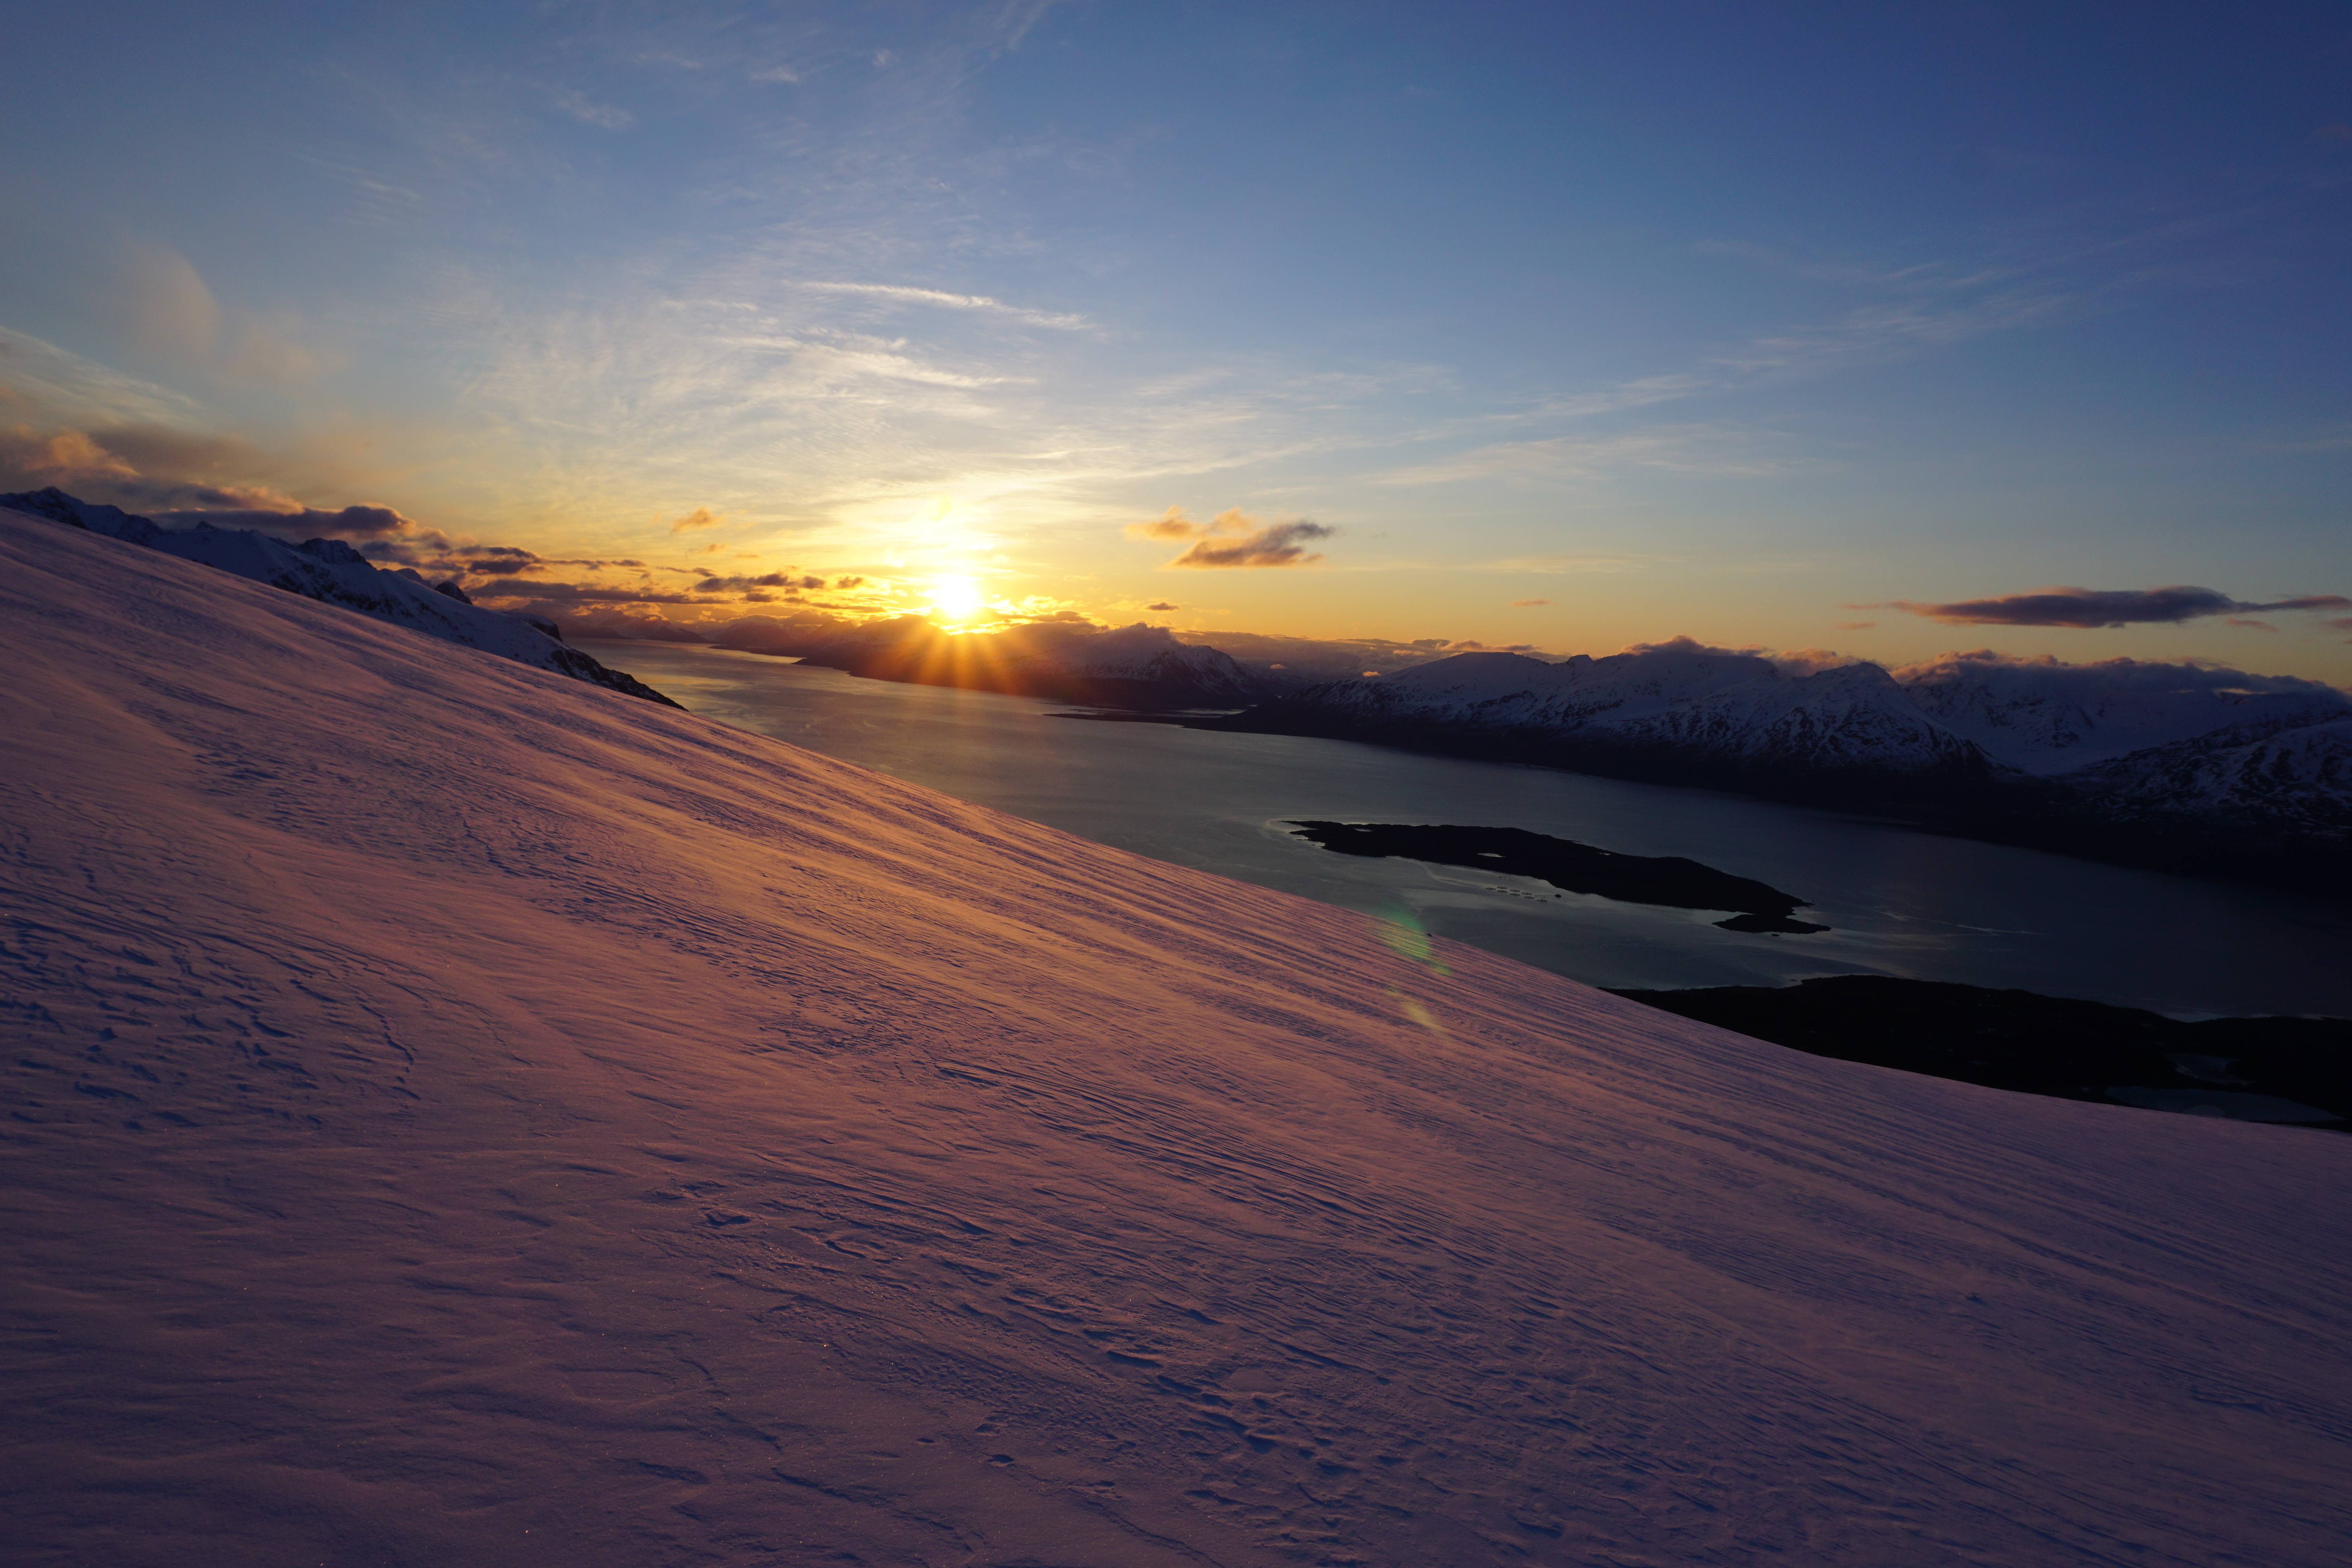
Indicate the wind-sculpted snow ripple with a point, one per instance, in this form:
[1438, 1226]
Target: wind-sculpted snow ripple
[684, 1149]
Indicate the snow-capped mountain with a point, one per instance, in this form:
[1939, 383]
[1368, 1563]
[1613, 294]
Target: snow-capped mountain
[2013, 747]
[2293, 781]
[332, 573]
[2043, 717]
[1726, 712]
[1510, 690]
[1850, 717]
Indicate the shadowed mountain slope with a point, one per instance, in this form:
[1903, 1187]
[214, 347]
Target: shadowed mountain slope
[461, 1116]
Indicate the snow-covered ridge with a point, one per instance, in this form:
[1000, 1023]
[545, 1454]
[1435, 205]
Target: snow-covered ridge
[1722, 705]
[2043, 716]
[2286, 779]
[332, 573]
[2037, 717]
[2131, 743]
[457, 1119]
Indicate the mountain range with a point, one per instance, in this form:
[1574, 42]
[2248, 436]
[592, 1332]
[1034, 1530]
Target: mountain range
[2210, 770]
[1136, 666]
[2184, 765]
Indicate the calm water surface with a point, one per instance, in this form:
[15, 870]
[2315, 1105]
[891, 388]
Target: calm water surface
[1900, 902]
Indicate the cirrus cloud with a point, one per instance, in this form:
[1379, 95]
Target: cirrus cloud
[900, 293]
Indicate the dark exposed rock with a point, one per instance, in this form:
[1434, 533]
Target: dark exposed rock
[2253, 1069]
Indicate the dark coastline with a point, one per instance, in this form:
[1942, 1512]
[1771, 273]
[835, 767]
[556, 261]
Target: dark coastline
[1672, 880]
[2052, 1045]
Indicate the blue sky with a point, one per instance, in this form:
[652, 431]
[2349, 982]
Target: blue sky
[1705, 318]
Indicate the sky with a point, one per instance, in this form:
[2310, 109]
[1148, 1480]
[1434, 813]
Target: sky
[1886, 329]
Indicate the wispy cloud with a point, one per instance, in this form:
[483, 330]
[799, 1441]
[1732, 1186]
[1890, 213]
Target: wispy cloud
[2338, 439]
[1923, 277]
[908, 295]
[588, 112]
[1923, 305]
[68, 387]
[1683, 449]
[1866, 335]
[833, 362]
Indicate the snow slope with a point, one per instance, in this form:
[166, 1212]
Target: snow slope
[460, 1116]
[332, 573]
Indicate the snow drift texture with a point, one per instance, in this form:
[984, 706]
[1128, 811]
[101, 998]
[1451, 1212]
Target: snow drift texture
[460, 1116]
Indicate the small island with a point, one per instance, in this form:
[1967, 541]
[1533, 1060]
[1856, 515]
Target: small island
[1672, 880]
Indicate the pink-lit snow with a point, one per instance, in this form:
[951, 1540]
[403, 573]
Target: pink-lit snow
[462, 1116]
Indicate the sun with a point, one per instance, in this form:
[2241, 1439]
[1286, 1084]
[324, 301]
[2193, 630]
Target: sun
[958, 598]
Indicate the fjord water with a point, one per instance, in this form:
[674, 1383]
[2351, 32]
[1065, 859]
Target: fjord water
[1898, 902]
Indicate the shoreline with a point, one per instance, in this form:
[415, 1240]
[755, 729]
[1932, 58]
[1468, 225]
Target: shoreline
[1672, 881]
[2285, 1071]
[2025, 813]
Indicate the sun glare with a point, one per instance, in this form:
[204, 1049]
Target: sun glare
[958, 598]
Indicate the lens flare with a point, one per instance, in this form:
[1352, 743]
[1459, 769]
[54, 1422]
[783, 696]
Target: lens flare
[1401, 932]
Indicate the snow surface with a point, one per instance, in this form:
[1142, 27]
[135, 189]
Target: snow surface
[334, 572]
[462, 1116]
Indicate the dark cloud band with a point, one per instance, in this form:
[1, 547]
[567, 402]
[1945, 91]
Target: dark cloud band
[1233, 538]
[2102, 606]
